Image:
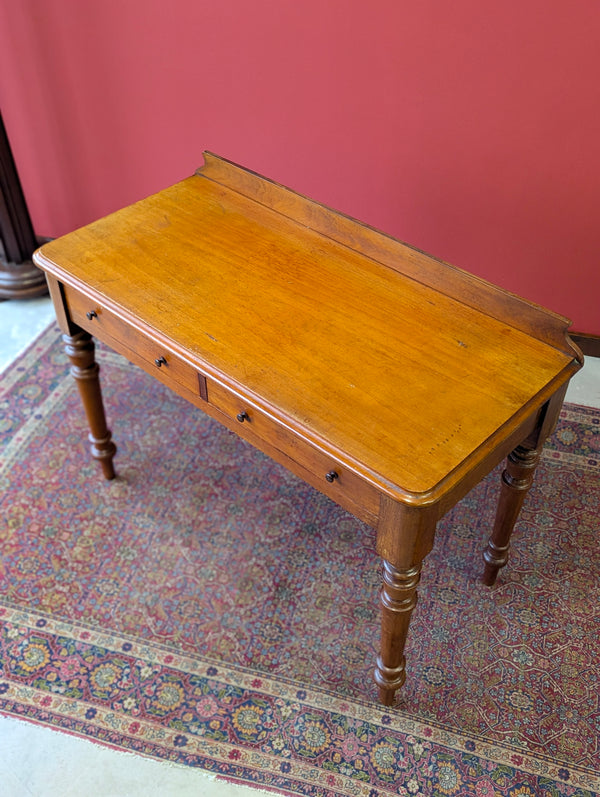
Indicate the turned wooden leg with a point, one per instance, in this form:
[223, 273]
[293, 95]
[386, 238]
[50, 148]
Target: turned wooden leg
[398, 599]
[84, 368]
[517, 478]
[405, 536]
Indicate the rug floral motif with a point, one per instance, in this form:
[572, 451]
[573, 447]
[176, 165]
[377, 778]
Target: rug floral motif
[209, 608]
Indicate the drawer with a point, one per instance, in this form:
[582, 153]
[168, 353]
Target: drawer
[122, 336]
[333, 478]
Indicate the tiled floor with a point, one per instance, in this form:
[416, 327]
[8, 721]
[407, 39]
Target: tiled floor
[40, 762]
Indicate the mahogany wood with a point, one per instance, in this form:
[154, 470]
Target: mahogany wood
[390, 381]
[589, 344]
[398, 599]
[517, 478]
[19, 278]
[85, 370]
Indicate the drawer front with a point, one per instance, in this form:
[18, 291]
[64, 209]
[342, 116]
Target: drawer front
[99, 321]
[334, 479]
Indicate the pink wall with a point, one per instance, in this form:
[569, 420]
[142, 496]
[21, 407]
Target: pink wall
[468, 129]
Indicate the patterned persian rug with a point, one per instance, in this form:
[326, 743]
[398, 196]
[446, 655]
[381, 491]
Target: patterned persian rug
[209, 608]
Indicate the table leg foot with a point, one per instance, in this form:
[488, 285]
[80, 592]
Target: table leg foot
[389, 680]
[85, 370]
[398, 599]
[517, 478]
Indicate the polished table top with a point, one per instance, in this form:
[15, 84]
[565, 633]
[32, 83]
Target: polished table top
[383, 377]
[404, 382]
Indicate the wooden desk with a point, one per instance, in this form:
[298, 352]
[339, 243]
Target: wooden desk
[388, 380]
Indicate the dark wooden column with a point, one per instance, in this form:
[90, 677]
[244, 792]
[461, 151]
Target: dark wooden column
[19, 278]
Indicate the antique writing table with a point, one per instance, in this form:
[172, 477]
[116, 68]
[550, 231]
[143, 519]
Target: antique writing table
[390, 381]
